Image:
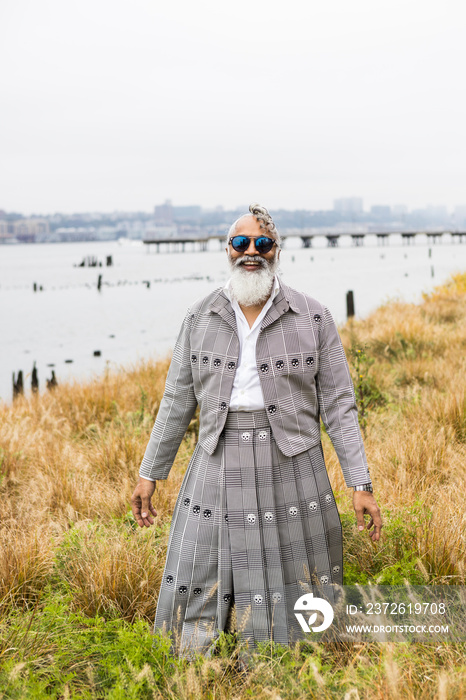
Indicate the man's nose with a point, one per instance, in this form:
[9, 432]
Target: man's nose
[251, 249]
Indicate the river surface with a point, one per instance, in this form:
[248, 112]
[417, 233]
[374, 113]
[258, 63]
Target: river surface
[144, 296]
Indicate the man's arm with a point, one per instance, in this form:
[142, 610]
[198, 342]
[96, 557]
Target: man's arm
[337, 405]
[175, 412]
[174, 415]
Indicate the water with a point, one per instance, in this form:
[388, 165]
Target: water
[126, 320]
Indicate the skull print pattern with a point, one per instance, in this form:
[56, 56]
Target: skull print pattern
[249, 533]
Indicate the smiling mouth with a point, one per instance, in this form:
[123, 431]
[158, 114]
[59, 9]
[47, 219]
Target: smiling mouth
[250, 264]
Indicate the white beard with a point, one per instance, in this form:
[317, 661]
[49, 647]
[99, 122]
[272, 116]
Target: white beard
[251, 288]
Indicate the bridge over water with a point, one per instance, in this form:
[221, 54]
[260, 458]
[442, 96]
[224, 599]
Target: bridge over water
[201, 243]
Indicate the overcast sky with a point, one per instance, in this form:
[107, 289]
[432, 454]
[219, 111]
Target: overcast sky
[112, 104]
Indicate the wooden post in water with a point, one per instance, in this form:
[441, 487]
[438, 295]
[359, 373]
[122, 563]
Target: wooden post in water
[18, 384]
[349, 304]
[34, 380]
[51, 383]
[99, 283]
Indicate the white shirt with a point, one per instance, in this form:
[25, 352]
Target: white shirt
[246, 394]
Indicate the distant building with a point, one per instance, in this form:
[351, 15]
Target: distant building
[348, 205]
[437, 213]
[28, 230]
[399, 210]
[191, 214]
[380, 211]
[6, 236]
[163, 214]
[459, 217]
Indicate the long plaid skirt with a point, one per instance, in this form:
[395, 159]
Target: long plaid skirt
[252, 527]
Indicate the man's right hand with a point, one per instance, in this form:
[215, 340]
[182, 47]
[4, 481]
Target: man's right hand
[141, 503]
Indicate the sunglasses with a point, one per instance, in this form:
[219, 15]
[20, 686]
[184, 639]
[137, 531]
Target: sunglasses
[263, 244]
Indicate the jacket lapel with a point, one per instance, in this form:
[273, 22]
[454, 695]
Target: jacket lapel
[221, 306]
[280, 305]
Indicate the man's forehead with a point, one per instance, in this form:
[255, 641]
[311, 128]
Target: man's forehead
[249, 224]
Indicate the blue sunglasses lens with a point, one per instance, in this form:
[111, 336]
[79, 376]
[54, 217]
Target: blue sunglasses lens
[262, 244]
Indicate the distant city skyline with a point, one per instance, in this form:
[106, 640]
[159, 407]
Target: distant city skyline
[115, 106]
[348, 205]
[168, 222]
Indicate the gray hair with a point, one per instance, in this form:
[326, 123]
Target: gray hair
[265, 221]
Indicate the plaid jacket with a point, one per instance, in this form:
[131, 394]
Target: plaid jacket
[303, 372]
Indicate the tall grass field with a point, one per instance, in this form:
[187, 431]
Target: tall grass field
[79, 580]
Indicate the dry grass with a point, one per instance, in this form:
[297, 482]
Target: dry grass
[112, 570]
[416, 444]
[69, 461]
[70, 458]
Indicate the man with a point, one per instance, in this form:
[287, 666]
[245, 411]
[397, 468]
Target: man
[255, 522]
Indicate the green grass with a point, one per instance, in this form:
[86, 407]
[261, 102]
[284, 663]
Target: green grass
[50, 649]
[53, 652]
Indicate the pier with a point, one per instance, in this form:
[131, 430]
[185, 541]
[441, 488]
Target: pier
[201, 243]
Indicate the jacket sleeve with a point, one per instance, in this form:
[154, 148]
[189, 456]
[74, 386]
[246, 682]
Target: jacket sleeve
[175, 412]
[337, 404]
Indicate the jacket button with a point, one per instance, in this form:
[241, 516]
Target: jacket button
[309, 360]
[193, 359]
[196, 510]
[227, 597]
[231, 365]
[264, 368]
[183, 590]
[197, 591]
[223, 406]
[186, 502]
[207, 513]
[279, 364]
[205, 360]
[272, 409]
[217, 362]
[316, 317]
[295, 362]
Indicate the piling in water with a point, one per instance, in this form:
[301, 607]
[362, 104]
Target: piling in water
[52, 382]
[349, 304]
[18, 387]
[34, 379]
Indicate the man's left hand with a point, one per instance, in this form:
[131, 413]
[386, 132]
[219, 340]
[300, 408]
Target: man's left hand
[364, 502]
